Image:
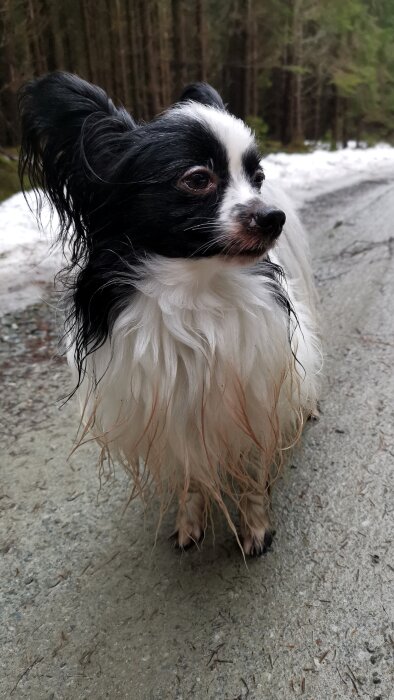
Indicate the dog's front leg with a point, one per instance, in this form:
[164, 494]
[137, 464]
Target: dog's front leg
[256, 530]
[191, 518]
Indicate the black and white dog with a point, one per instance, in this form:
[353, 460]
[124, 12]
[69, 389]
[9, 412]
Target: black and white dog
[190, 314]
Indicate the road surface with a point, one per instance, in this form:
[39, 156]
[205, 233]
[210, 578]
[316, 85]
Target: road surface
[91, 609]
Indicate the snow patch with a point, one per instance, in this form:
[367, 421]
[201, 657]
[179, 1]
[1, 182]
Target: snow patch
[28, 261]
[305, 176]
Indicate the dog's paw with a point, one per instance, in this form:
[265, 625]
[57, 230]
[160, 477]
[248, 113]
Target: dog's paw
[315, 414]
[256, 532]
[188, 536]
[190, 522]
[255, 542]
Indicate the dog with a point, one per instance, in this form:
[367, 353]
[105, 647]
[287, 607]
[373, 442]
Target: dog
[190, 303]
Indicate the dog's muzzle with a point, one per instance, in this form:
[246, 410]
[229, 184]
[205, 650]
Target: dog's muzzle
[257, 226]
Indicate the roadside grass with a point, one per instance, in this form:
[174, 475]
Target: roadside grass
[9, 178]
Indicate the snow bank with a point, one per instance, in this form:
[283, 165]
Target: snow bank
[305, 176]
[27, 261]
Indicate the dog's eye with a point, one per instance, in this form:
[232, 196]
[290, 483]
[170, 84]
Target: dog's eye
[198, 180]
[258, 178]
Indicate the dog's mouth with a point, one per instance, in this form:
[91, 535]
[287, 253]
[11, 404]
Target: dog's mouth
[257, 250]
[243, 250]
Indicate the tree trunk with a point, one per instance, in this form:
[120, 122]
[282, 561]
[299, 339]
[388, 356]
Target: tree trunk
[287, 95]
[297, 135]
[318, 97]
[57, 28]
[88, 40]
[178, 34]
[8, 112]
[247, 60]
[337, 120]
[345, 135]
[116, 86]
[164, 51]
[34, 36]
[201, 41]
[125, 94]
[254, 87]
[153, 88]
[136, 106]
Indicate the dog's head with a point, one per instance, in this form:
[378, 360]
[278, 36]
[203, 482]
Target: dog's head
[187, 184]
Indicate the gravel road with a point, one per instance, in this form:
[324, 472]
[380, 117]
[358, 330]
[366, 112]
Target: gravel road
[91, 609]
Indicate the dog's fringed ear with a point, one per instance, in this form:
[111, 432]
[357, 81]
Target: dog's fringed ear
[70, 129]
[204, 94]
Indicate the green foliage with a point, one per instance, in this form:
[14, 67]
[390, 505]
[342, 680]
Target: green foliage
[260, 128]
[268, 145]
[9, 180]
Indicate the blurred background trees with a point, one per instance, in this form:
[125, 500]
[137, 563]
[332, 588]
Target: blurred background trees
[295, 69]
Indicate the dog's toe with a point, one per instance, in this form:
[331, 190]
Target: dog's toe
[186, 538]
[315, 414]
[257, 543]
[191, 521]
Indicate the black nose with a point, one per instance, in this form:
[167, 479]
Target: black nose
[269, 220]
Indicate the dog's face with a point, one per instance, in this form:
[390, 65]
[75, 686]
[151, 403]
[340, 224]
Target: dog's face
[187, 184]
[195, 186]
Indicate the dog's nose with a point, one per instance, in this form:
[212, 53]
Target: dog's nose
[270, 221]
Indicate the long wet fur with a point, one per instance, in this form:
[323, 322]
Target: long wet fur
[190, 321]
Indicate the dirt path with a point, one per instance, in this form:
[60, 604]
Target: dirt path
[90, 610]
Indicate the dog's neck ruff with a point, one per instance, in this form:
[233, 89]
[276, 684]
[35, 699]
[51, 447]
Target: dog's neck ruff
[196, 314]
[198, 375]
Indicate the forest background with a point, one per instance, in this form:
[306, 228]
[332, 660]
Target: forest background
[296, 70]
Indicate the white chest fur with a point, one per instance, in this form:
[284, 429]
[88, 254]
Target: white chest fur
[199, 375]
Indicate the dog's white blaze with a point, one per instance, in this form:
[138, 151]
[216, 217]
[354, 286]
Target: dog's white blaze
[233, 133]
[239, 191]
[237, 138]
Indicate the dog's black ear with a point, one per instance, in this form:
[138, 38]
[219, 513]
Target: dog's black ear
[203, 93]
[71, 132]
